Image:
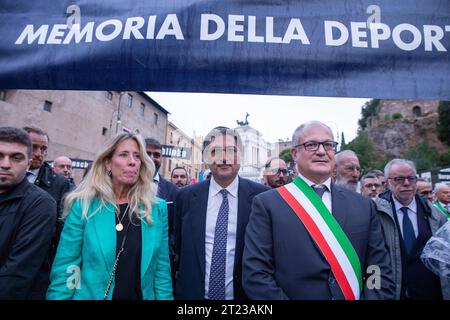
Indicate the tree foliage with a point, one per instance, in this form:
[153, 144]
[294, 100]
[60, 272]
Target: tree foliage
[369, 109]
[286, 155]
[363, 147]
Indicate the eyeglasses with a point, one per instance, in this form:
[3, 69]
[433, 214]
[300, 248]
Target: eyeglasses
[277, 171]
[219, 150]
[314, 145]
[411, 179]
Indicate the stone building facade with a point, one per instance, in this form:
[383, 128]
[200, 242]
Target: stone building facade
[80, 122]
[192, 164]
[402, 124]
[255, 154]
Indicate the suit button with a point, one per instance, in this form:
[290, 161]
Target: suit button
[331, 280]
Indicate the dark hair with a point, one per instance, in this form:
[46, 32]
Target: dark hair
[16, 135]
[178, 168]
[369, 176]
[217, 131]
[36, 130]
[376, 172]
[153, 142]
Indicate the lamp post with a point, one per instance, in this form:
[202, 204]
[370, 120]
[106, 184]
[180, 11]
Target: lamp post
[119, 121]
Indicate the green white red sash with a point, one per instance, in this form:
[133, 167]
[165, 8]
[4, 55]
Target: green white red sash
[442, 209]
[327, 234]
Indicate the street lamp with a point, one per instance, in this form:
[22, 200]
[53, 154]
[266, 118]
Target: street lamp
[119, 121]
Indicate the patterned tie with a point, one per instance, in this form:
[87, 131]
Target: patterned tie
[320, 189]
[217, 273]
[409, 238]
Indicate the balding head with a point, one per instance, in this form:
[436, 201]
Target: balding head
[63, 166]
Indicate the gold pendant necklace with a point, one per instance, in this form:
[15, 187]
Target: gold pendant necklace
[119, 226]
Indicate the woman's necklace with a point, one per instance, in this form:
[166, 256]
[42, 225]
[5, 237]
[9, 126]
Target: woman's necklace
[119, 226]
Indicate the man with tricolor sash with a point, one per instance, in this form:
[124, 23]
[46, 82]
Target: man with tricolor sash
[312, 239]
[442, 192]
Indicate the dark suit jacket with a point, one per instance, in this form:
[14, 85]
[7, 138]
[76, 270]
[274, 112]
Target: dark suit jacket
[168, 191]
[190, 225]
[281, 260]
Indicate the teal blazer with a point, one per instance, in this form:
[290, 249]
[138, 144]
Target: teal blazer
[87, 251]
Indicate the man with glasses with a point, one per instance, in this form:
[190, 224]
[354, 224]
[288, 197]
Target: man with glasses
[348, 169]
[408, 222]
[210, 221]
[371, 186]
[275, 173]
[312, 239]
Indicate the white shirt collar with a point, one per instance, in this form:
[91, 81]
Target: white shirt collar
[214, 187]
[411, 206]
[156, 177]
[34, 172]
[326, 183]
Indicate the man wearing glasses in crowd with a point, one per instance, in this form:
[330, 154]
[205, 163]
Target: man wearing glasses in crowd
[297, 234]
[371, 186]
[275, 173]
[347, 169]
[408, 222]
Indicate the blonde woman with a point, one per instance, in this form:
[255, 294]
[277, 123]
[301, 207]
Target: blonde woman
[115, 240]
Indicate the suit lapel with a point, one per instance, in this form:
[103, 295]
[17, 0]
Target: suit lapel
[148, 242]
[244, 208]
[104, 225]
[339, 207]
[197, 212]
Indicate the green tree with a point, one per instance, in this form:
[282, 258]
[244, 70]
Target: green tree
[286, 155]
[444, 121]
[369, 109]
[363, 147]
[426, 157]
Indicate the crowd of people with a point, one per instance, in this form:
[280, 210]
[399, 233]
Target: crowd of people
[319, 232]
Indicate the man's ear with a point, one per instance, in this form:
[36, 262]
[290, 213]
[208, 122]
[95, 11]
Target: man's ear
[294, 153]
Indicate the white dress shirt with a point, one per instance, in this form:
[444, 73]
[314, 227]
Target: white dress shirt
[214, 202]
[326, 197]
[32, 175]
[412, 214]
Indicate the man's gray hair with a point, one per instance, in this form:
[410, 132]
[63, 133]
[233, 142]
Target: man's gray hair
[368, 176]
[440, 185]
[388, 166]
[298, 132]
[338, 157]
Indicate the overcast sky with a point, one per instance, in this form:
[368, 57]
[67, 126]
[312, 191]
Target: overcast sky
[276, 117]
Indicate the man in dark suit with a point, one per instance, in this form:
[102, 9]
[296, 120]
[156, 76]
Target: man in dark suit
[166, 191]
[408, 223]
[210, 221]
[328, 244]
[42, 175]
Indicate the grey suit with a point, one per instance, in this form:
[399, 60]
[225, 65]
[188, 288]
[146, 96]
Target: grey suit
[281, 260]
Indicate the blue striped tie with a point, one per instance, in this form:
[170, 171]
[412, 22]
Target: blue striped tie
[409, 237]
[218, 259]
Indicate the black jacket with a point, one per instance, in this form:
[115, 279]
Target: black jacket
[27, 222]
[56, 185]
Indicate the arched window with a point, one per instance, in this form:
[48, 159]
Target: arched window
[417, 111]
